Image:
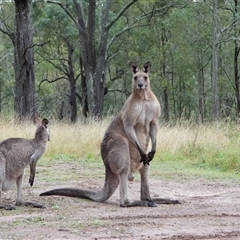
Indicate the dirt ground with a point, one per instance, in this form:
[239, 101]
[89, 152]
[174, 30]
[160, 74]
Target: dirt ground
[208, 210]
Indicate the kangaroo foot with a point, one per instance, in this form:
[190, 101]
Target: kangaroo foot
[7, 207]
[165, 201]
[30, 204]
[150, 203]
[140, 204]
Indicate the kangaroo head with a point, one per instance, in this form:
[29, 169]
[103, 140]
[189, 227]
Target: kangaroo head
[140, 77]
[42, 132]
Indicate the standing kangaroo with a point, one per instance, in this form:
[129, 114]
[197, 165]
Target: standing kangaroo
[16, 154]
[125, 146]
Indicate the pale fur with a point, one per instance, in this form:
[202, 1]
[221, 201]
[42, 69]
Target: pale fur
[17, 153]
[126, 143]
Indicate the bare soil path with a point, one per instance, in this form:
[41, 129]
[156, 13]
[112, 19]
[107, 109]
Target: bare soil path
[209, 210]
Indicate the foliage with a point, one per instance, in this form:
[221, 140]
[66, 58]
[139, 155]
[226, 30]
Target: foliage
[174, 35]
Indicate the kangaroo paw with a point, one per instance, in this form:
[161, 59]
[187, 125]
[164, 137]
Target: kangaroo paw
[31, 181]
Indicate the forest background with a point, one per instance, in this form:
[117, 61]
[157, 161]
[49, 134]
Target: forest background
[69, 59]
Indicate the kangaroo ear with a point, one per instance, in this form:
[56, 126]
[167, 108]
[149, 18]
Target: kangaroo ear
[146, 67]
[36, 121]
[45, 122]
[133, 67]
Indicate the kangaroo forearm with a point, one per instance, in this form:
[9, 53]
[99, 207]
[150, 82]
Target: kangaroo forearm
[153, 134]
[131, 134]
[32, 173]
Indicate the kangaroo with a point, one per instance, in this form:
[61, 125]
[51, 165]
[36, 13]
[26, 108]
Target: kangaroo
[15, 155]
[125, 146]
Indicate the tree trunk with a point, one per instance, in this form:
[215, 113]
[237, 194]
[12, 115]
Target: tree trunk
[165, 89]
[201, 89]
[84, 102]
[24, 102]
[236, 54]
[72, 99]
[214, 64]
[94, 53]
[236, 76]
[72, 84]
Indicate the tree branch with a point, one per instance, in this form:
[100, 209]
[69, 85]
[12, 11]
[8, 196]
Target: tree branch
[121, 12]
[55, 65]
[125, 30]
[145, 15]
[65, 9]
[81, 23]
[5, 56]
[117, 90]
[49, 81]
[10, 35]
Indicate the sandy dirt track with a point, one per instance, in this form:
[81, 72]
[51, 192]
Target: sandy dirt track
[208, 210]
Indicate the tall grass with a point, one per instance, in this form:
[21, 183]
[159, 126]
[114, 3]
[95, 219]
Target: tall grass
[213, 146]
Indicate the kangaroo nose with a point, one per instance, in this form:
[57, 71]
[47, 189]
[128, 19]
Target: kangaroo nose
[140, 85]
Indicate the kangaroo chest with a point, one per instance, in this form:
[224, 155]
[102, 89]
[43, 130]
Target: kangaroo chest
[145, 112]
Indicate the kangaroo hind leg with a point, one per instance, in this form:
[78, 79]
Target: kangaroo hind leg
[119, 163]
[145, 199]
[19, 201]
[145, 193]
[2, 178]
[2, 174]
[4, 182]
[110, 185]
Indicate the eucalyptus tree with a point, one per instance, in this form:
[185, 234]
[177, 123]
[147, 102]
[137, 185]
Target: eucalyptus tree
[236, 34]
[230, 48]
[6, 60]
[58, 39]
[24, 102]
[182, 52]
[215, 103]
[149, 40]
[200, 43]
[94, 23]
[22, 39]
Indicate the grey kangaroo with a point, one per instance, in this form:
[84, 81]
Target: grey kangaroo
[125, 146]
[16, 154]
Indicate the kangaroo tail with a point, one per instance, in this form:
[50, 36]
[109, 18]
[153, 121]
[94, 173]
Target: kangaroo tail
[111, 184]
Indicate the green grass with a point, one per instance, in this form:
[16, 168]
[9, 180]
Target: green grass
[184, 170]
[206, 148]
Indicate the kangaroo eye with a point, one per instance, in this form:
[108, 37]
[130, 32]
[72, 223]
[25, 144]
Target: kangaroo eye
[145, 78]
[135, 78]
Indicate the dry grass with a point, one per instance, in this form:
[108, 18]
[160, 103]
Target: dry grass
[77, 140]
[184, 137]
[215, 145]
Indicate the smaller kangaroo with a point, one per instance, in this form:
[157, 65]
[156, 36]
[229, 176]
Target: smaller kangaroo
[128, 146]
[15, 155]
